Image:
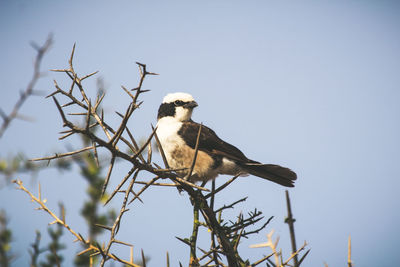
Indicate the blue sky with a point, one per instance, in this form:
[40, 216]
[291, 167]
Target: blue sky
[312, 85]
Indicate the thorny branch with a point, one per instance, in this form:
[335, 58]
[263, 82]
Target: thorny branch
[116, 225]
[273, 245]
[349, 261]
[41, 51]
[290, 221]
[225, 236]
[62, 222]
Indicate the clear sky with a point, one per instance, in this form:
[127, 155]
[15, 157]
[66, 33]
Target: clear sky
[312, 85]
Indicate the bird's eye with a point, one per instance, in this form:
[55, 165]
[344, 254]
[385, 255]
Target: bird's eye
[178, 103]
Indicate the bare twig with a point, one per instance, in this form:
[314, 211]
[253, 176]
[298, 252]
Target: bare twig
[120, 185]
[222, 186]
[41, 51]
[57, 156]
[213, 245]
[78, 237]
[294, 254]
[110, 168]
[183, 181]
[230, 205]
[262, 260]
[160, 148]
[349, 261]
[271, 244]
[115, 227]
[290, 221]
[143, 73]
[225, 236]
[143, 189]
[135, 146]
[143, 258]
[158, 184]
[194, 261]
[196, 150]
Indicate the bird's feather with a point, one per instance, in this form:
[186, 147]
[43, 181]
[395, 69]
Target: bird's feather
[210, 143]
[272, 172]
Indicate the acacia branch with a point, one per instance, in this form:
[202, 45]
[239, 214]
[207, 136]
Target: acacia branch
[290, 221]
[57, 156]
[225, 237]
[61, 222]
[196, 150]
[116, 225]
[29, 90]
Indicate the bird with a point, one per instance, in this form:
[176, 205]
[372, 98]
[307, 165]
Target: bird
[177, 134]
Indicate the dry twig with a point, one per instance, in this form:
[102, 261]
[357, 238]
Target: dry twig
[290, 221]
[62, 222]
[41, 51]
[349, 261]
[273, 245]
[225, 237]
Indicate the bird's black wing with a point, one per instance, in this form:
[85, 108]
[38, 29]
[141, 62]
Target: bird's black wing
[209, 142]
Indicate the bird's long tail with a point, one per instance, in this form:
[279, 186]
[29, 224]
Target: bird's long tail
[274, 173]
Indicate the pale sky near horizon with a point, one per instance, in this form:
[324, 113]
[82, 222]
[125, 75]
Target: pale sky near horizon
[311, 85]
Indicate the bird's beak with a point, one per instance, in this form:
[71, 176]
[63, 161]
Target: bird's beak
[192, 104]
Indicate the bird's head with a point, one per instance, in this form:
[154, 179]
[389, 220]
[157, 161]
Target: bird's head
[178, 106]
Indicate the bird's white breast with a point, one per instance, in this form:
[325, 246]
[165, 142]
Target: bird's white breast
[179, 155]
[167, 132]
